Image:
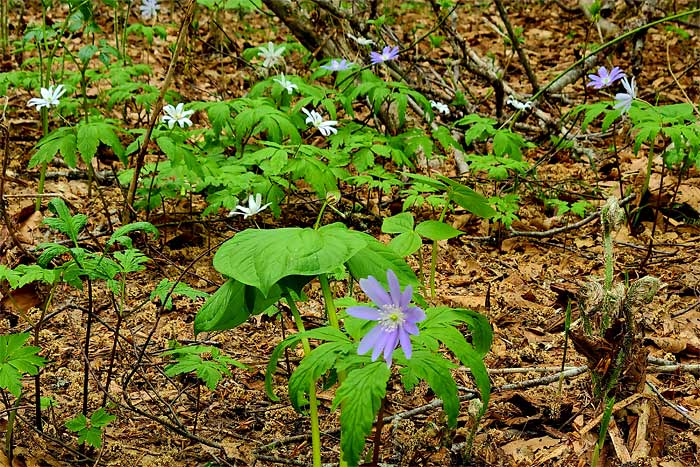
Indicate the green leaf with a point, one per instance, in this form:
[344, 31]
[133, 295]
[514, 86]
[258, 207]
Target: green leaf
[406, 244]
[79, 422]
[375, 259]
[120, 235]
[231, 305]
[312, 367]
[468, 199]
[260, 258]
[65, 223]
[16, 360]
[180, 288]
[359, 398]
[435, 370]
[210, 369]
[101, 418]
[326, 333]
[399, 223]
[436, 230]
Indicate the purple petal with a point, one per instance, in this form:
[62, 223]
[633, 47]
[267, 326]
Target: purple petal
[371, 340]
[392, 340]
[414, 315]
[364, 312]
[375, 291]
[410, 328]
[394, 287]
[381, 344]
[406, 344]
[406, 297]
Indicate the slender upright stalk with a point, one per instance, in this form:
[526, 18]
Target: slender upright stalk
[313, 402]
[433, 260]
[331, 311]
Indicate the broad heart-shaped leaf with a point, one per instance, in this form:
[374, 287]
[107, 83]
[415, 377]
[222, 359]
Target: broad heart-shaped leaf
[435, 370]
[17, 359]
[399, 223]
[360, 397]
[312, 367]
[260, 258]
[231, 305]
[326, 333]
[436, 230]
[406, 244]
[374, 260]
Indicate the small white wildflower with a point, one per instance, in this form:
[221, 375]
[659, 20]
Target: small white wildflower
[326, 127]
[440, 107]
[286, 84]
[149, 9]
[49, 97]
[254, 207]
[624, 99]
[361, 40]
[271, 55]
[178, 115]
[516, 104]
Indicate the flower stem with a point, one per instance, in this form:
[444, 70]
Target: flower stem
[44, 165]
[313, 402]
[433, 260]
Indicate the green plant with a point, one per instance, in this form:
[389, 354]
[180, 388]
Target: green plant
[209, 363]
[89, 430]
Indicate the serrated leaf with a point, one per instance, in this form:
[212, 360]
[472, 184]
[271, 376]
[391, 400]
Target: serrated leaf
[17, 359]
[101, 418]
[326, 333]
[435, 370]
[65, 223]
[312, 367]
[359, 398]
[180, 288]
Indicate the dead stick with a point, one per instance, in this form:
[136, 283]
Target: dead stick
[516, 46]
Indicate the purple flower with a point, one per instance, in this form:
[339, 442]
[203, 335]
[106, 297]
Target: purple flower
[604, 79]
[623, 100]
[396, 320]
[336, 65]
[388, 53]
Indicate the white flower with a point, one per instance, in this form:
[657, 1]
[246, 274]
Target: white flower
[149, 9]
[440, 107]
[326, 127]
[49, 97]
[254, 207]
[177, 115]
[361, 40]
[624, 99]
[516, 104]
[272, 55]
[286, 84]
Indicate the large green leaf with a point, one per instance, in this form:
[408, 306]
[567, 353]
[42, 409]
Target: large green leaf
[360, 397]
[260, 258]
[231, 305]
[406, 244]
[374, 260]
[399, 223]
[17, 359]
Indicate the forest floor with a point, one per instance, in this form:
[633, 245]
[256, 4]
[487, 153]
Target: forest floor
[521, 283]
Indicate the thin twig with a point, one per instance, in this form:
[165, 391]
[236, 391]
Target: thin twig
[681, 410]
[516, 46]
[575, 225]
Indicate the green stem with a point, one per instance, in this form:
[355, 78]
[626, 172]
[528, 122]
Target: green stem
[433, 259]
[44, 165]
[313, 402]
[331, 310]
[332, 314]
[10, 427]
